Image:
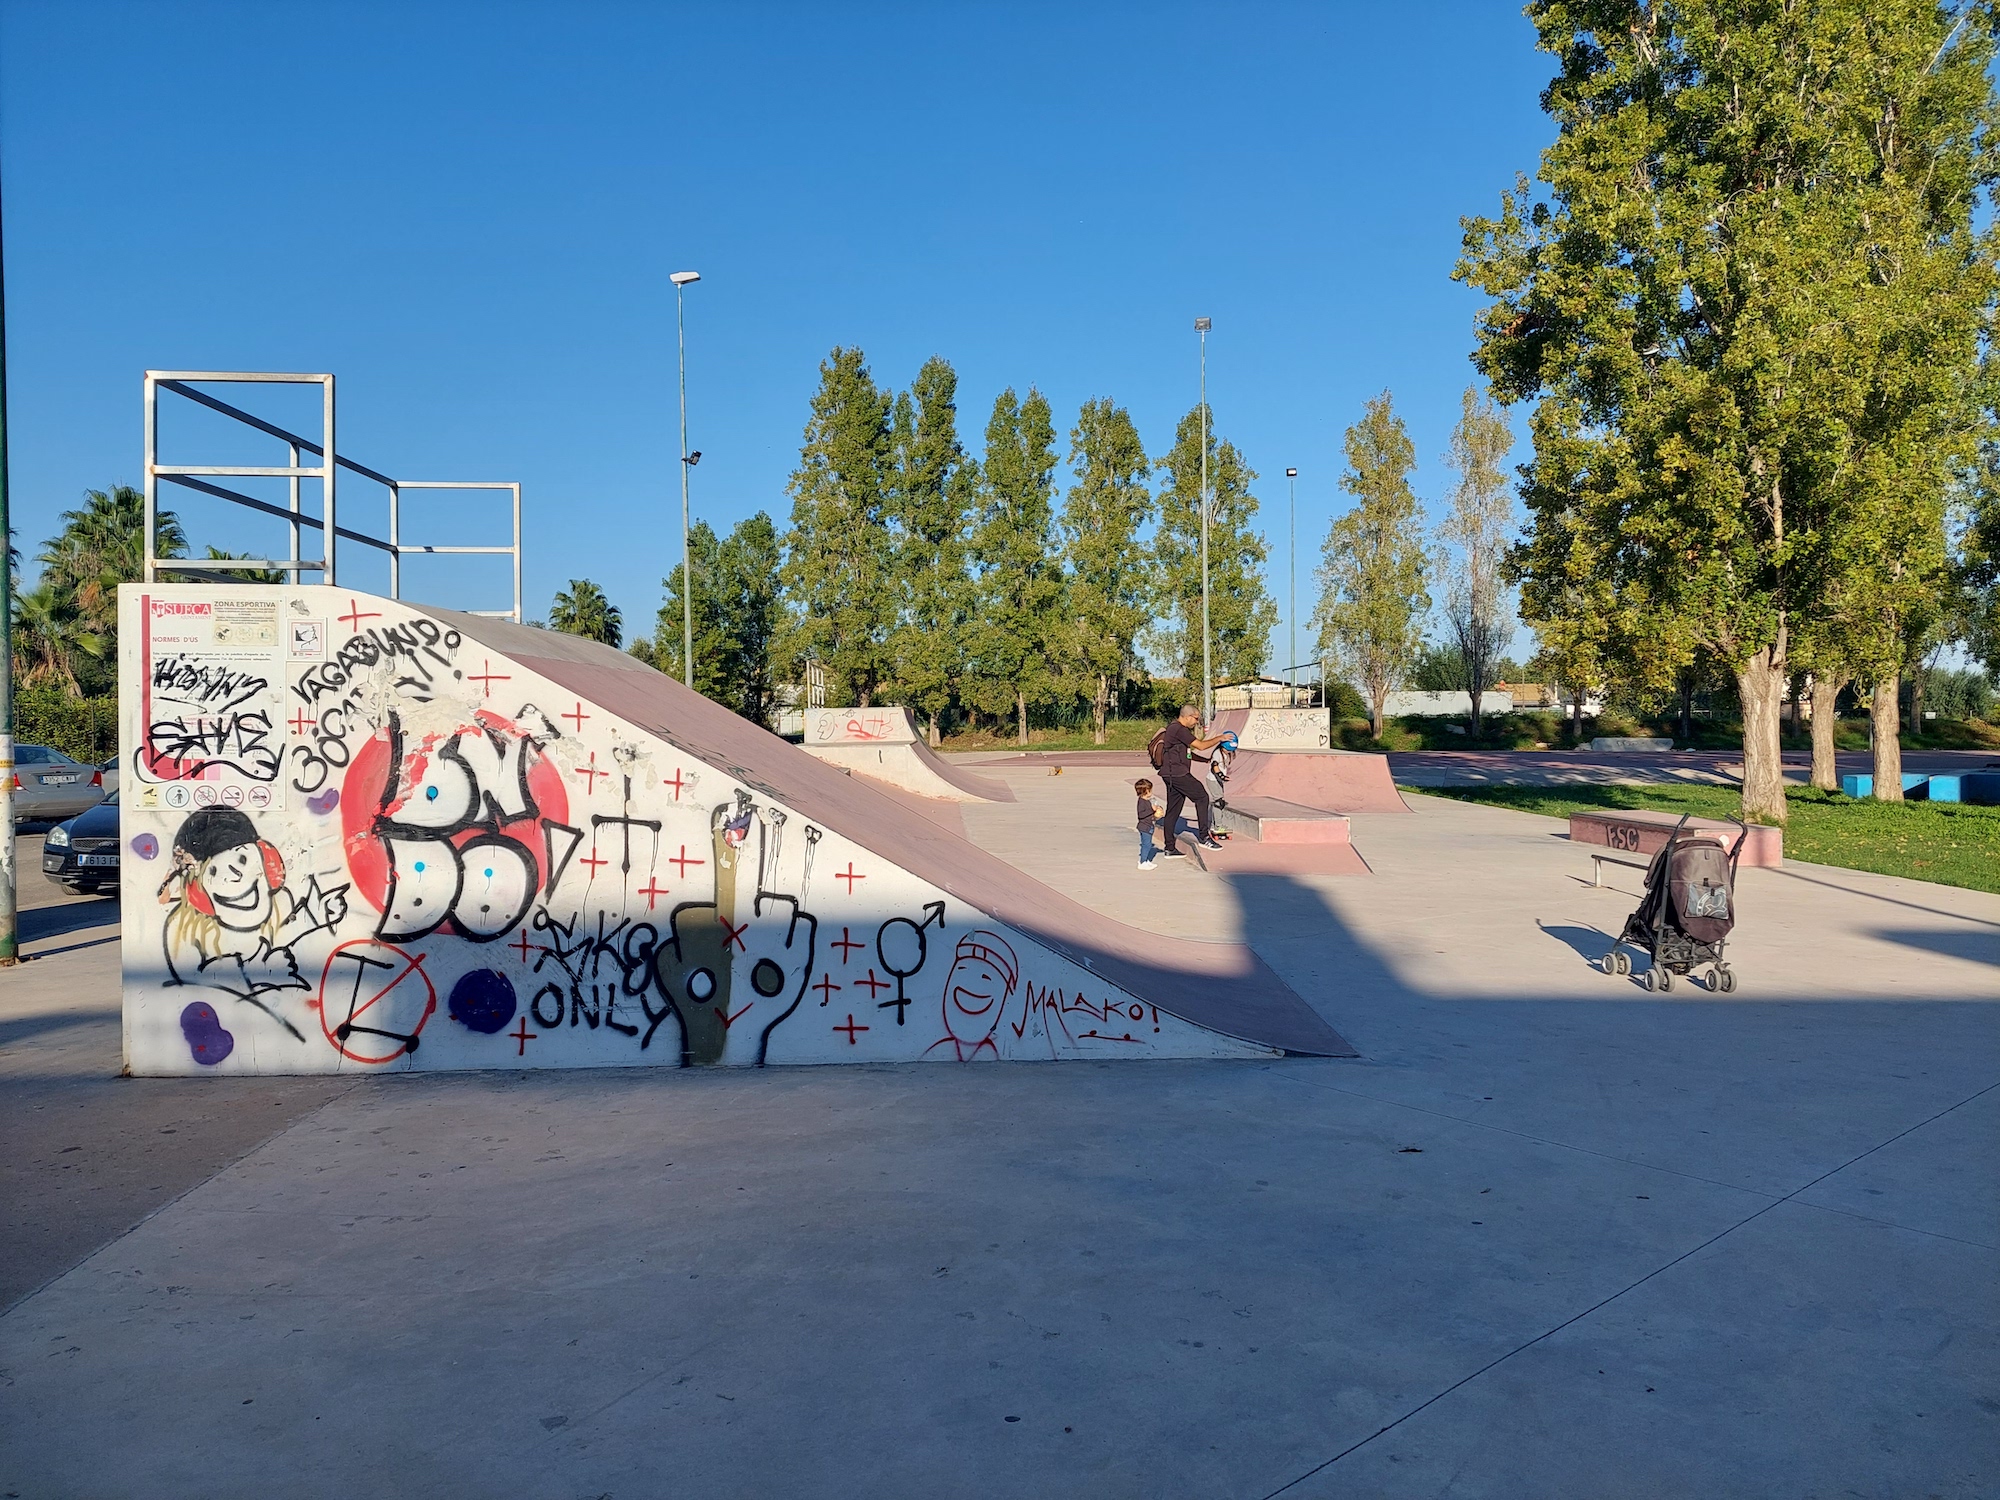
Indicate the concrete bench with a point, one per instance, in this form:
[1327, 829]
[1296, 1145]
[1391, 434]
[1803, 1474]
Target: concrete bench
[1271, 821]
[1980, 787]
[1645, 833]
[1864, 785]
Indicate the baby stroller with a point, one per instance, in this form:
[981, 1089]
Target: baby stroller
[1688, 912]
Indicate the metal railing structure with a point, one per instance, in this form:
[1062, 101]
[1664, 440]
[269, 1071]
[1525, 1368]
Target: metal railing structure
[199, 477]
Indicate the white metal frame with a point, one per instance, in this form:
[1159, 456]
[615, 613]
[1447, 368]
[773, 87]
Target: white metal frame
[197, 477]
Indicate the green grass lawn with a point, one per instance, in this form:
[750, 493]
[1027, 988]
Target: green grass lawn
[1120, 734]
[1950, 843]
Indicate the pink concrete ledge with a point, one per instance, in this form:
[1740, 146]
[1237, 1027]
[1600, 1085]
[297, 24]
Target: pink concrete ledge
[1645, 834]
[1270, 820]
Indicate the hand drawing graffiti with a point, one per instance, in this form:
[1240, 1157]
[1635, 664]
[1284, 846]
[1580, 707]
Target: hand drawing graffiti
[983, 974]
[232, 923]
[734, 968]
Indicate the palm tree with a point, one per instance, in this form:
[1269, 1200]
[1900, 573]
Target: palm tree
[582, 609]
[102, 544]
[237, 575]
[49, 639]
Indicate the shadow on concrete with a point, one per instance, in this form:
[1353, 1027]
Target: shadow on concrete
[19, 1029]
[1850, 890]
[1974, 947]
[1588, 943]
[1292, 926]
[39, 922]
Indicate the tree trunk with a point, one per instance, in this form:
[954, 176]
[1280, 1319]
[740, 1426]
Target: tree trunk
[1825, 720]
[1476, 696]
[936, 739]
[1796, 690]
[1376, 702]
[1917, 701]
[1687, 709]
[1760, 683]
[1021, 715]
[1103, 694]
[1885, 714]
[1576, 716]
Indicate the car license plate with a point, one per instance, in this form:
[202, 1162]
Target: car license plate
[60, 780]
[97, 861]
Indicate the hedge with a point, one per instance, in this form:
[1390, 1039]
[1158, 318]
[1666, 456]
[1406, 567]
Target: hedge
[85, 729]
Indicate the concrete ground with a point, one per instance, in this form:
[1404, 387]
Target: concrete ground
[1549, 1235]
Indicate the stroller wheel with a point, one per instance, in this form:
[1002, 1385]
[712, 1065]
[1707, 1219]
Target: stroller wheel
[1624, 963]
[1666, 979]
[1651, 979]
[1725, 980]
[1609, 963]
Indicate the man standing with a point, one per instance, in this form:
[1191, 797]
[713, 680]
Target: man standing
[1177, 741]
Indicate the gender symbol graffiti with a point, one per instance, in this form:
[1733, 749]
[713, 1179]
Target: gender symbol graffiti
[466, 827]
[744, 958]
[231, 921]
[900, 944]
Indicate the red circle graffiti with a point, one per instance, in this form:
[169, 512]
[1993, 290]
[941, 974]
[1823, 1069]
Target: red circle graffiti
[375, 1001]
[367, 777]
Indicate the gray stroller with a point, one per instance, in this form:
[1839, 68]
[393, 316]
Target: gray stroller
[1688, 912]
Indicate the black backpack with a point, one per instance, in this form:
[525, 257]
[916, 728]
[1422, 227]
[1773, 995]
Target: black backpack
[1156, 749]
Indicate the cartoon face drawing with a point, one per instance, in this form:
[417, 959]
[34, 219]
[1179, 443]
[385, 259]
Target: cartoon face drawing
[240, 883]
[984, 971]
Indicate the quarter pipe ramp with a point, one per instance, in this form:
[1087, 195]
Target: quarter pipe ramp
[362, 835]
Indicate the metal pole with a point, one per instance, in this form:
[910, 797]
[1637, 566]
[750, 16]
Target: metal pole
[293, 482]
[687, 574]
[9, 930]
[1292, 561]
[1207, 668]
[326, 456]
[152, 479]
[395, 543]
[517, 552]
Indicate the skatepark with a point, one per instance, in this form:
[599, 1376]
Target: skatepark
[1403, 1195]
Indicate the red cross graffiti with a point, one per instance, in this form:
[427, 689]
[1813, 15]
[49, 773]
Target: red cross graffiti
[487, 677]
[652, 890]
[520, 944]
[729, 1020]
[850, 1028]
[594, 862]
[681, 862]
[871, 984]
[675, 782]
[356, 614]
[523, 1037]
[827, 988]
[846, 945]
[849, 876]
[732, 933]
[577, 716]
[301, 723]
[590, 773]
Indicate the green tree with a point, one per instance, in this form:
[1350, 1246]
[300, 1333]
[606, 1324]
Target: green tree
[837, 573]
[582, 609]
[1241, 614]
[1372, 598]
[1753, 291]
[1020, 582]
[1110, 582]
[1473, 545]
[49, 639]
[737, 617]
[933, 491]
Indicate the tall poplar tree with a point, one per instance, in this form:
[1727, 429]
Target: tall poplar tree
[837, 572]
[1473, 542]
[1241, 614]
[931, 498]
[1110, 583]
[1749, 294]
[1372, 598]
[1020, 586]
[737, 617]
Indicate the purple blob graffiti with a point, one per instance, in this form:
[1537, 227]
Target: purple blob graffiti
[483, 1000]
[145, 846]
[206, 1038]
[324, 803]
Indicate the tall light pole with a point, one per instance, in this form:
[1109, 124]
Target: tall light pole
[681, 281]
[1292, 557]
[1201, 326]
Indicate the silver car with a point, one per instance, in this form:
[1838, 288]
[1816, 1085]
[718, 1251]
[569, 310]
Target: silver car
[49, 785]
[109, 771]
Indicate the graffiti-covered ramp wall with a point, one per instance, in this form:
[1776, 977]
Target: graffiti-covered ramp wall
[361, 835]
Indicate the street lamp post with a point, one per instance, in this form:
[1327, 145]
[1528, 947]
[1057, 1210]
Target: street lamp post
[681, 281]
[1292, 558]
[1201, 326]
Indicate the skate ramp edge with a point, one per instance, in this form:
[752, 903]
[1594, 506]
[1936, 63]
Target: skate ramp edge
[913, 766]
[366, 836]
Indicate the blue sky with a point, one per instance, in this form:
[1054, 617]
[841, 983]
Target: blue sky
[468, 214]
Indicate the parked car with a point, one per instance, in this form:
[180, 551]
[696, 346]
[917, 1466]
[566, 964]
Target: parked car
[48, 784]
[83, 853]
[109, 771]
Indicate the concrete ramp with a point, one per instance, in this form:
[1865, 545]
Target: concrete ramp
[885, 745]
[361, 835]
[1285, 754]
